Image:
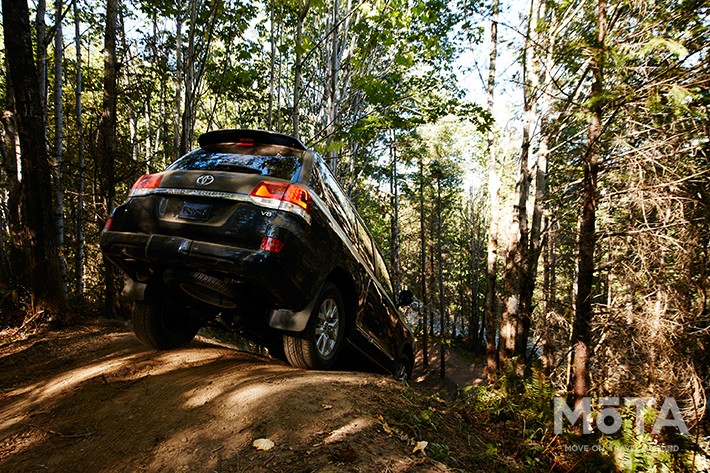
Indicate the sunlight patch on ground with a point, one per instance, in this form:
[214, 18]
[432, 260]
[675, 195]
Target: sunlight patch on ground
[44, 391]
[39, 394]
[166, 362]
[351, 428]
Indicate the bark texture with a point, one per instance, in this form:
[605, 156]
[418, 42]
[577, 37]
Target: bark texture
[38, 223]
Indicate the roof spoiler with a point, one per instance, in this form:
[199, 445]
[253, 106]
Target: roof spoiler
[253, 137]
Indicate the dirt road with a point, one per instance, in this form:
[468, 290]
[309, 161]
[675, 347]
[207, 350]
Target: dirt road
[92, 398]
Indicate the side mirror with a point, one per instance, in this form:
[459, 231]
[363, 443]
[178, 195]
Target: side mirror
[405, 298]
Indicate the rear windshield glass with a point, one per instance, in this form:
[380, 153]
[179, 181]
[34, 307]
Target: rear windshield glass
[276, 161]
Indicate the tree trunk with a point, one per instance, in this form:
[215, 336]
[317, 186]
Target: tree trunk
[535, 245]
[41, 27]
[59, 137]
[422, 264]
[474, 319]
[511, 343]
[582, 327]
[298, 68]
[432, 280]
[15, 255]
[79, 258]
[272, 65]
[190, 88]
[493, 196]
[548, 294]
[331, 86]
[178, 81]
[394, 189]
[531, 253]
[40, 235]
[106, 145]
[14, 199]
[280, 30]
[442, 311]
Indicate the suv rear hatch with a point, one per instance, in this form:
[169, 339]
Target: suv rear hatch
[225, 191]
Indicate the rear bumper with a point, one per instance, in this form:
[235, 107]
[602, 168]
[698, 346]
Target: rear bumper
[140, 255]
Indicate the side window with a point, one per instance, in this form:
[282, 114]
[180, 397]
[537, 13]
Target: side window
[316, 181]
[364, 243]
[338, 203]
[382, 273]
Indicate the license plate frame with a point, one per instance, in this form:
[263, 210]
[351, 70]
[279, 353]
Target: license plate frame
[195, 211]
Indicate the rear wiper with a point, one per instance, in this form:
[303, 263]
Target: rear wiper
[237, 168]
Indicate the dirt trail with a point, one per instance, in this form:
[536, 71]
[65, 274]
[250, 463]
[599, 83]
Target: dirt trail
[92, 398]
[460, 372]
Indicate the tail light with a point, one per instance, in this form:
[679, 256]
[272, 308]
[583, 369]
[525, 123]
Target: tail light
[283, 196]
[271, 244]
[245, 142]
[145, 183]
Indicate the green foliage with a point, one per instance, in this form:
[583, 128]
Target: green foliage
[521, 411]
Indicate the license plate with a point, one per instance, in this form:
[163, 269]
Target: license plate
[193, 211]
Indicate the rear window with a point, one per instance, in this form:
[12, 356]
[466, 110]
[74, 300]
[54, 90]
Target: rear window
[276, 161]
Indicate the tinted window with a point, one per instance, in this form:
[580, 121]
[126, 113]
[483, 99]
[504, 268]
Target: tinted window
[382, 273]
[364, 241]
[272, 160]
[340, 205]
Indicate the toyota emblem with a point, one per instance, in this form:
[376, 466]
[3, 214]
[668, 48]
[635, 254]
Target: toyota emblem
[205, 180]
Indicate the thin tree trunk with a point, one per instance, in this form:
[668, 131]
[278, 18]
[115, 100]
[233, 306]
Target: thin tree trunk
[79, 258]
[190, 89]
[394, 185]
[535, 245]
[59, 137]
[475, 281]
[40, 237]
[422, 264]
[582, 327]
[548, 272]
[298, 69]
[536, 230]
[106, 144]
[432, 280]
[272, 65]
[442, 312]
[177, 138]
[332, 88]
[493, 196]
[148, 132]
[41, 27]
[530, 240]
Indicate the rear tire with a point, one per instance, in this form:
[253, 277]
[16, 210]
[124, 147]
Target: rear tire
[403, 369]
[162, 325]
[324, 337]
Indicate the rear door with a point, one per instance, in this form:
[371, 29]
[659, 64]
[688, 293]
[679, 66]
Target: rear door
[207, 194]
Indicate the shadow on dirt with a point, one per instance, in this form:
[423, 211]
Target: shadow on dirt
[93, 398]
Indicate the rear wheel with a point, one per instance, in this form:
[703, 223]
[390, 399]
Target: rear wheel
[163, 325]
[321, 342]
[403, 369]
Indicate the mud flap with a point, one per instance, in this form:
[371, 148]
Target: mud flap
[134, 290]
[284, 319]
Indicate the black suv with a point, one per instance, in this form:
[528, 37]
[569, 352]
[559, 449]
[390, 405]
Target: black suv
[252, 231]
